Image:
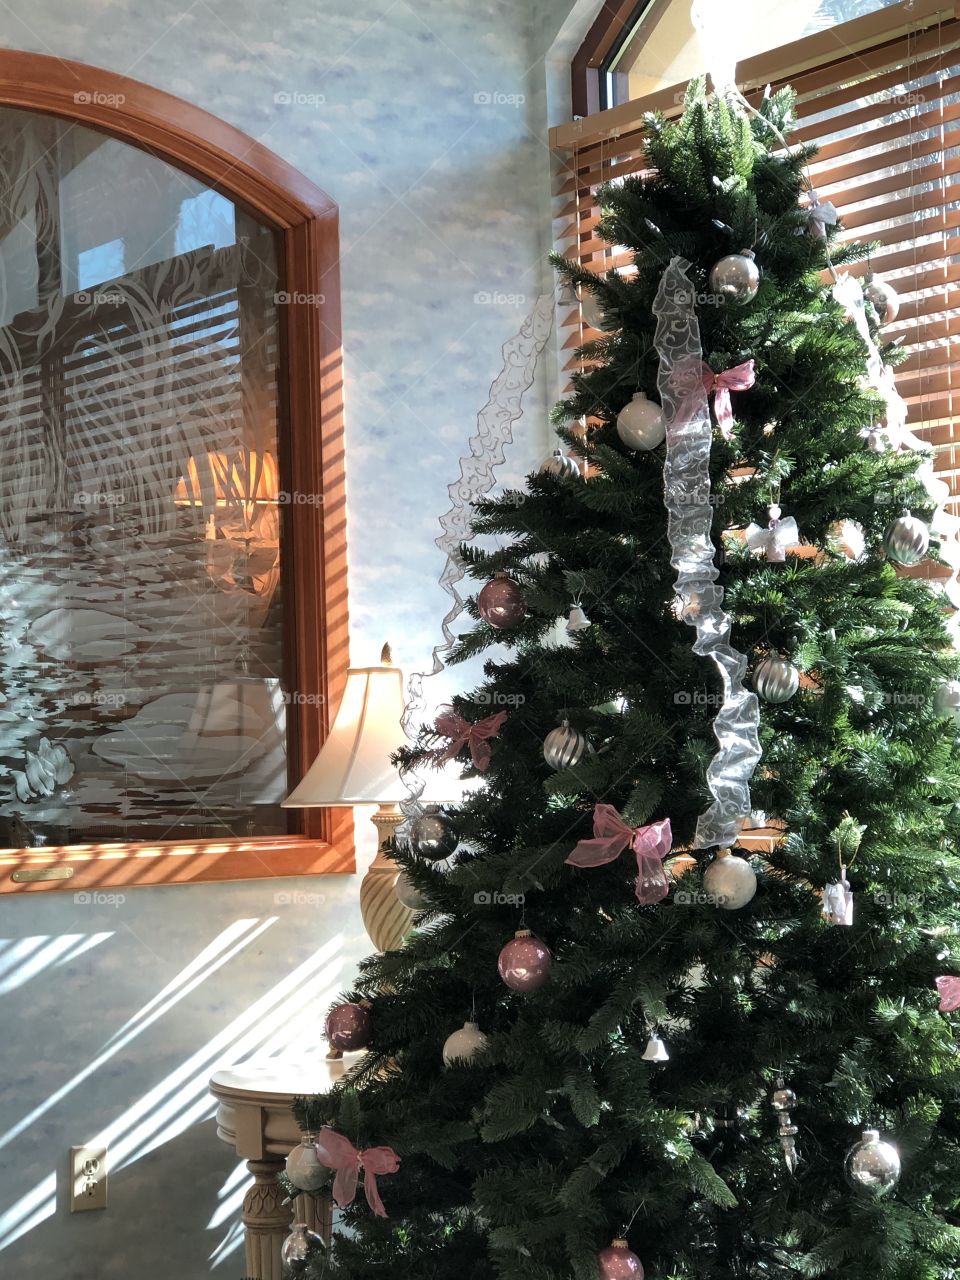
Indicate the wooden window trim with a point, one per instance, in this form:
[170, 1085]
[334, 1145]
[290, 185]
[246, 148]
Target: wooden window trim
[314, 566]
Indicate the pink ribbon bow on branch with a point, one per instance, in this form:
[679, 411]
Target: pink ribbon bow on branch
[337, 1152]
[949, 989]
[611, 836]
[740, 378]
[450, 724]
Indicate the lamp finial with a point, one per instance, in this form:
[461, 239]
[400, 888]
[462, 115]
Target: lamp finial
[386, 657]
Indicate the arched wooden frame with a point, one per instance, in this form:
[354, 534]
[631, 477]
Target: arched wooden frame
[314, 563]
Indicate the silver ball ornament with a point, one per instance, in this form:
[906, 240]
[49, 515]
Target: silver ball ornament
[730, 881]
[300, 1250]
[462, 1045]
[776, 679]
[434, 837]
[946, 700]
[591, 309]
[408, 894]
[560, 464]
[783, 1100]
[907, 539]
[563, 747]
[735, 278]
[884, 300]
[871, 1165]
[640, 423]
[303, 1165]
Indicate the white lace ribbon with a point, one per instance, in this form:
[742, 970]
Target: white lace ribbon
[686, 487]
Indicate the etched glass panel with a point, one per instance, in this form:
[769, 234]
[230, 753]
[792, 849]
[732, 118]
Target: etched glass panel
[141, 654]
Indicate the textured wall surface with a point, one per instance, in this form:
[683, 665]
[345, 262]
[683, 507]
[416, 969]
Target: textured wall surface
[426, 122]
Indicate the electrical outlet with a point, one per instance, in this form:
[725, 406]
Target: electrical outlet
[88, 1178]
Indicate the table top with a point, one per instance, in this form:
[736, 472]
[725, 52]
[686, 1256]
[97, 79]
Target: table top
[280, 1080]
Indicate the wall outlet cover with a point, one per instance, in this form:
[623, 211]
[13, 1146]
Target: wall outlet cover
[88, 1178]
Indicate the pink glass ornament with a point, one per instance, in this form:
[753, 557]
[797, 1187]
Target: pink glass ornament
[525, 962]
[949, 989]
[619, 1262]
[501, 602]
[348, 1027]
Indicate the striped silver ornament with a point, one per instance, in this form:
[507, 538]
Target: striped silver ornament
[560, 464]
[907, 539]
[776, 679]
[564, 746]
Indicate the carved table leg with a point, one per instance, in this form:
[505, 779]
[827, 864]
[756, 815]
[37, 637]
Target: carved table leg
[317, 1213]
[266, 1220]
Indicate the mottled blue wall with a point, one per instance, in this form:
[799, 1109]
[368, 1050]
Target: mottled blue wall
[114, 1015]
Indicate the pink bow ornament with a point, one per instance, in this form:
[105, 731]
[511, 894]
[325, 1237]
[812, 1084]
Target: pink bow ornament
[740, 378]
[775, 538]
[450, 724]
[337, 1152]
[949, 989]
[611, 836]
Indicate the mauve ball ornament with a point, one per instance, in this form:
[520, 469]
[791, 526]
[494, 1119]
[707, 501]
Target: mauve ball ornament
[946, 700]
[640, 423]
[300, 1250]
[303, 1165]
[871, 1165]
[524, 962]
[434, 837]
[619, 1262]
[349, 1027]
[560, 464]
[730, 881]
[735, 278]
[776, 679]
[462, 1045]
[501, 602]
[884, 300]
[906, 540]
[563, 747]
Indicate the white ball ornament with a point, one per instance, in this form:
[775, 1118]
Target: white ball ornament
[946, 700]
[884, 300]
[463, 1045]
[640, 423]
[730, 881]
[303, 1165]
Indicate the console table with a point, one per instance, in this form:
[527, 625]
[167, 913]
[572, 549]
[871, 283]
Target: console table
[254, 1117]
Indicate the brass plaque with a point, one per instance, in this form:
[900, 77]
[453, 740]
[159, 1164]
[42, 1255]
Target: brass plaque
[30, 875]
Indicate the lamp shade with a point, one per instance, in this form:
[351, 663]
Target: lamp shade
[353, 766]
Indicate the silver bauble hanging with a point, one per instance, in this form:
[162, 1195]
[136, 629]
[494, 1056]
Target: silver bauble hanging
[884, 300]
[300, 1250]
[906, 540]
[591, 309]
[946, 700]
[735, 278]
[434, 837]
[408, 894]
[560, 464]
[730, 881]
[462, 1045]
[871, 1165]
[776, 679]
[564, 746]
[640, 423]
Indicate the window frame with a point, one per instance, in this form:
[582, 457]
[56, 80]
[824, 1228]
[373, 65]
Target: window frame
[314, 562]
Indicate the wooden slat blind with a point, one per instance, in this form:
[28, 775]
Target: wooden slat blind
[881, 96]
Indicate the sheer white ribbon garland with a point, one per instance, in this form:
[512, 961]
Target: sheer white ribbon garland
[686, 488]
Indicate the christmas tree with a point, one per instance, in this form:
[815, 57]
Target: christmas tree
[671, 1063]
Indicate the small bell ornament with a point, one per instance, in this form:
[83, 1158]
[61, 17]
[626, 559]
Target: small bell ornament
[564, 747]
[463, 1045]
[776, 679]
[300, 1251]
[618, 1262]
[640, 423]
[730, 881]
[560, 464]
[524, 962]
[735, 278]
[871, 1165]
[946, 700]
[408, 894]
[774, 540]
[884, 300]
[433, 837]
[349, 1027]
[906, 540]
[783, 1101]
[303, 1165]
[577, 621]
[838, 901]
[656, 1050]
[501, 602]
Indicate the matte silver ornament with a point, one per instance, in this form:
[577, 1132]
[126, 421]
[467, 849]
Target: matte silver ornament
[640, 423]
[730, 881]
[884, 300]
[408, 894]
[564, 747]
[776, 679]
[301, 1250]
[946, 700]
[462, 1045]
[434, 837]
[871, 1165]
[735, 278]
[907, 539]
[303, 1165]
[560, 464]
